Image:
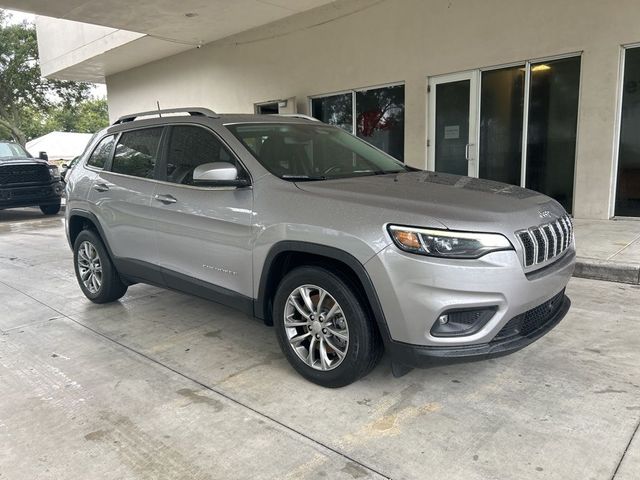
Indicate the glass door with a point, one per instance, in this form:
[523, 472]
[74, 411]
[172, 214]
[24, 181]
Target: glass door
[515, 124]
[453, 108]
[628, 184]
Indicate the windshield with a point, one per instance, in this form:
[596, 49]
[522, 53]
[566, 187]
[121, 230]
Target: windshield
[12, 150]
[313, 152]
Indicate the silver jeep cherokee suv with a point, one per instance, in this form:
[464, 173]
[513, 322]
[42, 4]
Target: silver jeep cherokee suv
[345, 250]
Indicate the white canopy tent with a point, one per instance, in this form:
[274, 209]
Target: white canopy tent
[59, 145]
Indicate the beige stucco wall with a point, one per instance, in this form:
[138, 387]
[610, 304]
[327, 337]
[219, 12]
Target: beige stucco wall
[405, 40]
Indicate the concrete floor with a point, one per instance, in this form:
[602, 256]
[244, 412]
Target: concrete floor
[608, 240]
[165, 386]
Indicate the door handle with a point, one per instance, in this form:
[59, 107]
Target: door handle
[166, 199]
[467, 152]
[101, 187]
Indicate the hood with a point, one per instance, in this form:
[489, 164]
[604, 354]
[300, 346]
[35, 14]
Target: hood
[458, 202]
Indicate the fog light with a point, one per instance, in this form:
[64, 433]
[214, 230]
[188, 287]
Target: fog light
[459, 322]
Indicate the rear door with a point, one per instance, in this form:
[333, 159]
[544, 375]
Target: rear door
[121, 197]
[203, 233]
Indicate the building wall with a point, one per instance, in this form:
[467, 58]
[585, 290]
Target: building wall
[378, 42]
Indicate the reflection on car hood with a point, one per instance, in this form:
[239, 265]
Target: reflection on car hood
[456, 201]
[22, 160]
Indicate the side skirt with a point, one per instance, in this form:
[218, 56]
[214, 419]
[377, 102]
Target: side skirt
[135, 271]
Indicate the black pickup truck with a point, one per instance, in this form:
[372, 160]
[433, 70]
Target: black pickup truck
[26, 181]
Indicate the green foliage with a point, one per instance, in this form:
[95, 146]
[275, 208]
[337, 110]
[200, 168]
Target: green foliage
[87, 116]
[25, 97]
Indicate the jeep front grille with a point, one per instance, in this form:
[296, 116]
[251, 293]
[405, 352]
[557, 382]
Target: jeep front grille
[544, 242]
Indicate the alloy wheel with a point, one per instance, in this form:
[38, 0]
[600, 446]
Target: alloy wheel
[316, 327]
[90, 267]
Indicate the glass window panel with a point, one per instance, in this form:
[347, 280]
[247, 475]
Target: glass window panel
[380, 118]
[191, 146]
[335, 110]
[452, 126]
[102, 152]
[137, 152]
[501, 114]
[268, 109]
[628, 191]
[551, 130]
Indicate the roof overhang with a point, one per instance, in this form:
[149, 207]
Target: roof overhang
[124, 33]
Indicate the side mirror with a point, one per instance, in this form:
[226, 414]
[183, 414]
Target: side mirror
[64, 167]
[43, 156]
[218, 174]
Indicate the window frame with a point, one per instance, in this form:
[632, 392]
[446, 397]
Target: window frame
[162, 159]
[526, 65]
[107, 162]
[613, 187]
[109, 165]
[354, 109]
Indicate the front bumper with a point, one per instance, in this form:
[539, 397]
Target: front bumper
[425, 356]
[414, 290]
[30, 195]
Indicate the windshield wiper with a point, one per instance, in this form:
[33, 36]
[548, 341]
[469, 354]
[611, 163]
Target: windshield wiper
[303, 178]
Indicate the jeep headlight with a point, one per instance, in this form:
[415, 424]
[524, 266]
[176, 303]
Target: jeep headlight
[447, 243]
[54, 172]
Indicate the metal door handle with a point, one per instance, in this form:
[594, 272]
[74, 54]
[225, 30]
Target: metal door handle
[101, 187]
[467, 152]
[166, 199]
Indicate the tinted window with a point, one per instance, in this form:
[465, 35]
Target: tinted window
[501, 117]
[380, 118]
[628, 194]
[102, 152]
[190, 147]
[553, 121]
[137, 152]
[335, 110]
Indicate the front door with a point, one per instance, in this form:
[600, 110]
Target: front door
[453, 111]
[203, 233]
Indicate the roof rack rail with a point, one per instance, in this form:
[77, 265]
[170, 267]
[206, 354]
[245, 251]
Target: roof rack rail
[298, 115]
[194, 111]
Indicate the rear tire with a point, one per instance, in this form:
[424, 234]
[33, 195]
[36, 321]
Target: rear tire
[51, 209]
[323, 329]
[95, 272]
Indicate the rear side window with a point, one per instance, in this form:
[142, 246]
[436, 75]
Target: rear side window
[101, 153]
[190, 147]
[137, 152]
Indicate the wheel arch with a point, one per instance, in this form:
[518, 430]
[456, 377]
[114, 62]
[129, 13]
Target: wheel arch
[80, 220]
[286, 255]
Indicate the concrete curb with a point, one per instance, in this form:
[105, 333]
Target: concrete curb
[607, 270]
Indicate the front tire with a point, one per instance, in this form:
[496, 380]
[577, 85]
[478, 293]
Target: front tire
[96, 274]
[51, 209]
[323, 329]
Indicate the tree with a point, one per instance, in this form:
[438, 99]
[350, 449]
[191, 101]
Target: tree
[87, 116]
[22, 90]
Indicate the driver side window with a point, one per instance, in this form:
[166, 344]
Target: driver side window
[191, 146]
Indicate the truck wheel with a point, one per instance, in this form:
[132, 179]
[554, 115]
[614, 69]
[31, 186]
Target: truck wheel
[95, 272]
[323, 329]
[51, 209]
